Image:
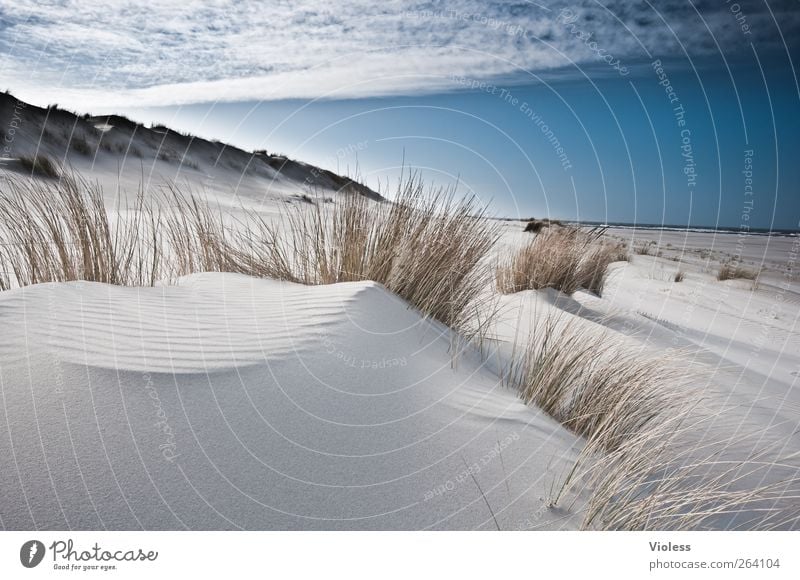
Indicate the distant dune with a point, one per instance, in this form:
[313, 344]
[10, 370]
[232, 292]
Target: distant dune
[117, 151]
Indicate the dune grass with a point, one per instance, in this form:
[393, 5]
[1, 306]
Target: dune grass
[39, 165]
[595, 385]
[427, 246]
[534, 226]
[565, 258]
[81, 145]
[731, 271]
[62, 231]
[641, 467]
[58, 232]
[431, 249]
[658, 480]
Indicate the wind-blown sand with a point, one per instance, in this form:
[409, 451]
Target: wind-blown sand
[229, 402]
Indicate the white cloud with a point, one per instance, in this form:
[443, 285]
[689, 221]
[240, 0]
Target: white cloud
[86, 53]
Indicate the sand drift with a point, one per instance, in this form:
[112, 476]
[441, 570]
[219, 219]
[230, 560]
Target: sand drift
[228, 402]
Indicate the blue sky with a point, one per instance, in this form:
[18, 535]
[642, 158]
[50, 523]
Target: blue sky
[546, 108]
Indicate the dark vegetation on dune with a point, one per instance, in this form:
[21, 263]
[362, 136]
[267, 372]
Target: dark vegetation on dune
[565, 258]
[55, 133]
[39, 165]
[534, 225]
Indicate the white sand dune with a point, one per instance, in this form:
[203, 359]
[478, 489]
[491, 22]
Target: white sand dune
[228, 402]
[748, 334]
[125, 156]
[739, 341]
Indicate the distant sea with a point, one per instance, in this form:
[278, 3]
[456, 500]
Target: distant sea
[671, 227]
[701, 229]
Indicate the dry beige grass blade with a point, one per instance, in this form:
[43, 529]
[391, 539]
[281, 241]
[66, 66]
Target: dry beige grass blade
[565, 258]
[729, 271]
[657, 482]
[425, 246]
[61, 231]
[40, 165]
[197, 238]
[594, 385]
[641, 465]
[592, 268]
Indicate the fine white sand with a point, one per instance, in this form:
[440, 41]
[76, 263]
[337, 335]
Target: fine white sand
[228, 402]
[738, 340]
[225, 402]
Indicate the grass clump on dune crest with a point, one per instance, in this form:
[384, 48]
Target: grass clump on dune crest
[81, 145]
[595, 385]
[58, 232]
[425, 246]
[565, 258]
[730, 271]
[641, 466]
[62, 231]
[658, 481]
[39, 165]
[196, 237]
